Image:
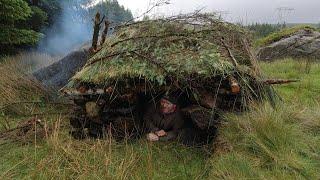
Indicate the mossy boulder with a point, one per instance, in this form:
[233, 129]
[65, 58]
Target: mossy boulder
[295, 42]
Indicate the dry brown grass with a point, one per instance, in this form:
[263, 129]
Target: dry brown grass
[17, 87]
[33, 61]
[19, 91]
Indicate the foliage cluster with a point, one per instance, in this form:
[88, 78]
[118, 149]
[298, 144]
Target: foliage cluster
[13, 15]
[113, 11]
[83, 11]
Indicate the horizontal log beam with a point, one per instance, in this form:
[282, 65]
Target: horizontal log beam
[280, 81]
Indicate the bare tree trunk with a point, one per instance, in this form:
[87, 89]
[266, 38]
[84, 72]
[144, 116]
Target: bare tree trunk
[35, 2]
[105, 32]
[96, 30]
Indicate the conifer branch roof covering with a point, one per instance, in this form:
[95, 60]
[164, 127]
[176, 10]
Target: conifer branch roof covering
[195, 45]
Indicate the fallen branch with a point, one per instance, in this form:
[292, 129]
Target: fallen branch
[280, 81]
[29, 123]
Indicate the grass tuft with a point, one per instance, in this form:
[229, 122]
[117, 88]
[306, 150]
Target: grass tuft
[268, 143]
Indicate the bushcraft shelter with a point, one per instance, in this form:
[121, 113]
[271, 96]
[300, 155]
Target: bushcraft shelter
[182, 52]
[205, 62]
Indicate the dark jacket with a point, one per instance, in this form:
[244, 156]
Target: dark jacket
[172, 123]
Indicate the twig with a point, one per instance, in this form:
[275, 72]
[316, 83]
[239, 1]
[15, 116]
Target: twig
[179, 17]
[159, 3]
[253, 58]
[235, 63]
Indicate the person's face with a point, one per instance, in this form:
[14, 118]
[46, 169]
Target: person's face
[167, 106]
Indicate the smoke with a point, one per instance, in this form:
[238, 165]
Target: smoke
[70, 30]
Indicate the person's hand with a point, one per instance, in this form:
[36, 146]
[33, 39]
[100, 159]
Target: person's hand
[161, 133]
[152, 137]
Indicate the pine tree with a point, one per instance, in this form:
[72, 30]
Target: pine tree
[38, 20]
[113, 11]
[13, 13]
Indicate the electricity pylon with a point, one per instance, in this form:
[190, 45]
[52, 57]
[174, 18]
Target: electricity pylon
[283, 12]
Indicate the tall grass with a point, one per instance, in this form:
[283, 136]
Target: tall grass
[62, 157]
[281, 143]
[32, 61]
[20, 93]
[270, 143]
[16, 85]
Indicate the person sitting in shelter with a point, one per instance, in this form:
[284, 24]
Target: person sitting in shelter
[164, 121]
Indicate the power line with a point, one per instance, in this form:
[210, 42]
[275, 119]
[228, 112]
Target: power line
[283, 12]
[222, 14]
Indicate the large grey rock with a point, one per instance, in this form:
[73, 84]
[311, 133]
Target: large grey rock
[302, 44]
[58, 74]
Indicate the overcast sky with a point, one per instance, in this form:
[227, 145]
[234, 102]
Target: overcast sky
[246, 11]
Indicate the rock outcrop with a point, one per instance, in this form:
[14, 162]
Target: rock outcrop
[304, 43]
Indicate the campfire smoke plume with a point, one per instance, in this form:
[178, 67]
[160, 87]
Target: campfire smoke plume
[69, 31]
